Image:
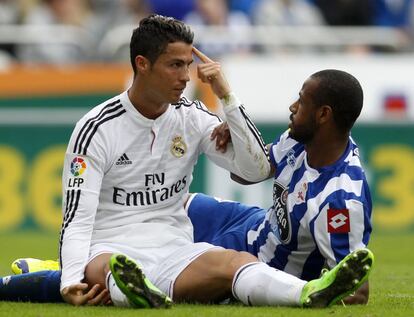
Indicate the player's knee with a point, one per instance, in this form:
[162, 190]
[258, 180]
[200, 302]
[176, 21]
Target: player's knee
[97, 269]
[225, 263]
[236, 259]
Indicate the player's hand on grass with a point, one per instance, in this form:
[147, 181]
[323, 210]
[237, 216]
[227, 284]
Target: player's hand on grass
[210, 72]
[78, 295]
[222, 135]
[360, 297]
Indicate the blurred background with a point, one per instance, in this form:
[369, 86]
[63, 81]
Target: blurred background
[59, 58]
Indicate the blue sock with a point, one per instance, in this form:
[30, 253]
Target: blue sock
[40, 287]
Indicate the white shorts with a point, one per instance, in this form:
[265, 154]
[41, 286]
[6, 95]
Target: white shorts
[162, 271]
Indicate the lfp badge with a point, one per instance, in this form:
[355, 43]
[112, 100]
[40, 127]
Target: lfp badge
[77, 166]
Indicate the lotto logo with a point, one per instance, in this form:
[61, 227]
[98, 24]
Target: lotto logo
[338, 221]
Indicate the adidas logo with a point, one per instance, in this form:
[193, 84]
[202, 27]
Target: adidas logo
[123, 160]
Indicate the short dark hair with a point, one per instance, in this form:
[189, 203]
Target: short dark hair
[154, 33]
[343, 93]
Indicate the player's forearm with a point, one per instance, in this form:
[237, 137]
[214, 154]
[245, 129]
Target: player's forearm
[250, 153]
[76, 238]
[74, 256]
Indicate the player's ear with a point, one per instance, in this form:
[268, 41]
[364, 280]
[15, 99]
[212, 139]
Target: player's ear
[324, 114]
[142, 64]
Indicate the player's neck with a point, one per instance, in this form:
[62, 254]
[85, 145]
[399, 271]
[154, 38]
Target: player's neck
[324, 151]
[145, 105]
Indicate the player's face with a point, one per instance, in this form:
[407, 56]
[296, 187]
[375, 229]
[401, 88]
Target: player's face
[303, 124]
[170, 73]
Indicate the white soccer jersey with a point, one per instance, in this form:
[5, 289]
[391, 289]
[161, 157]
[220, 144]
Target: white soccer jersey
[125, 176]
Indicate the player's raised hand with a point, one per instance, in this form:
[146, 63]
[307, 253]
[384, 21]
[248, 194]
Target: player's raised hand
[210, 72]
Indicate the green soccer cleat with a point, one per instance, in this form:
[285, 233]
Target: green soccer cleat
[347, 276]
[137, 288]
[30, 265]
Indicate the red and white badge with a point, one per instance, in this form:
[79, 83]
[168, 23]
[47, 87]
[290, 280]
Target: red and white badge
[338, 221]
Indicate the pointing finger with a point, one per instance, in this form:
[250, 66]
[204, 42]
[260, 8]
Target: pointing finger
[204, 58]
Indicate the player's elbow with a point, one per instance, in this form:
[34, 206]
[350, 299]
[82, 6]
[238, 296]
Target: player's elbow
[240, 180]
[259, 173]
[248, 178]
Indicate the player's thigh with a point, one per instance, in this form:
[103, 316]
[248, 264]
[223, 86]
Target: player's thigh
[209, 277]
[97, 269]
[214, 218]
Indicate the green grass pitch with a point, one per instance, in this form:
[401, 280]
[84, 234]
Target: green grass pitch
[391, 284]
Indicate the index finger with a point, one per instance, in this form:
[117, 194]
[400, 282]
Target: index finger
[204, 58]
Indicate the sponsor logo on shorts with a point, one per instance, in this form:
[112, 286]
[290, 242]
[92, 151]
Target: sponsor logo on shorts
[6, 280]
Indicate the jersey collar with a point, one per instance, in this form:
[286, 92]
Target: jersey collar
[137, 116]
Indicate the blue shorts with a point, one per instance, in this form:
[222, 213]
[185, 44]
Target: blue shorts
[223, 223]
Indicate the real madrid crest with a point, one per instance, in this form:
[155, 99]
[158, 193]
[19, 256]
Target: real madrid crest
[178, 147]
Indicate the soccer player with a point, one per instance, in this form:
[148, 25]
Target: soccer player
[126, 175]
[127, 169]
[321, 201]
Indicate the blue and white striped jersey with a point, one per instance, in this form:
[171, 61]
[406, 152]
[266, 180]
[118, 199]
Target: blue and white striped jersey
[318, 215]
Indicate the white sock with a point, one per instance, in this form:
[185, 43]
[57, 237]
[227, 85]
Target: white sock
[118, 298]
[257, 284]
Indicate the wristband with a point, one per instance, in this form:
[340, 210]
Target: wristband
[230, 100]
